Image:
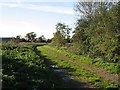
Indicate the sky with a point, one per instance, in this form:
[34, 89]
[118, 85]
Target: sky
[18, 17]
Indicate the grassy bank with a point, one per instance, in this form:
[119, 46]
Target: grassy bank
[79, 72]
[109, 66]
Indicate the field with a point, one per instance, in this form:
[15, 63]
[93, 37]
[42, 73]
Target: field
[60, 44]
[22, 68]
[34, 67]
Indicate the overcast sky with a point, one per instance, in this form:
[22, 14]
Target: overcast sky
[18, 17]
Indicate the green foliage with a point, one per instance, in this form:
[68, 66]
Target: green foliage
[97, 32]
[22, 68]
[58, 39]
[8, 45]
[61, 36]
[110, 66]
[31, 36]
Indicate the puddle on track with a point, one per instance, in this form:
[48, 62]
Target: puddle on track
[62, 72]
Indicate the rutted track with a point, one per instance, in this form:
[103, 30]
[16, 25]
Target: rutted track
[69, 81]
[99, 71]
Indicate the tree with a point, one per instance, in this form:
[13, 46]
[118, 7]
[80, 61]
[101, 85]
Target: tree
[97, 32]
[79, 38]
[61, 36]
[18, 38]
[42, 38]
[58, 39]
[30, 36]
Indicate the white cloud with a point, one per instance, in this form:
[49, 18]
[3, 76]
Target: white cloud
[52, 9]
[13, 28]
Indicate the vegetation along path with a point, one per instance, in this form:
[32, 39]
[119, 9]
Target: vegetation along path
[98, 71]
[69, 82]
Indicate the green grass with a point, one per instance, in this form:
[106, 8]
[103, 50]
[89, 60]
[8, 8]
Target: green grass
[109, 66]
[78, 72]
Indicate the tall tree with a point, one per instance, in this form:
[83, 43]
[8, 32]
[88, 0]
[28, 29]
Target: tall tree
[97, 31]
[61, 35]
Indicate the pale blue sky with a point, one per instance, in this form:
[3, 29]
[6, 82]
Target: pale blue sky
[19, 18]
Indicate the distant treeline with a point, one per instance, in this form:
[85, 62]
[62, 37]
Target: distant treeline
[31, 37]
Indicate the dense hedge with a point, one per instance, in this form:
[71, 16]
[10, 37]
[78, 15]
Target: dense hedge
[97, 32]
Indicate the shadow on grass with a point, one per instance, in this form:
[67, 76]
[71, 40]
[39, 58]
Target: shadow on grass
[18, 75]
[62, 73]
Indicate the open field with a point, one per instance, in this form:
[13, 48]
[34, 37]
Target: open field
[42, 66]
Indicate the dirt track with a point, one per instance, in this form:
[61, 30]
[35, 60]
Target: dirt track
[71, 83]
[99, 71]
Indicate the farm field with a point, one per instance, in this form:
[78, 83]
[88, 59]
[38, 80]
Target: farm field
[60, 44]
[42, 66]
[22, 68]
